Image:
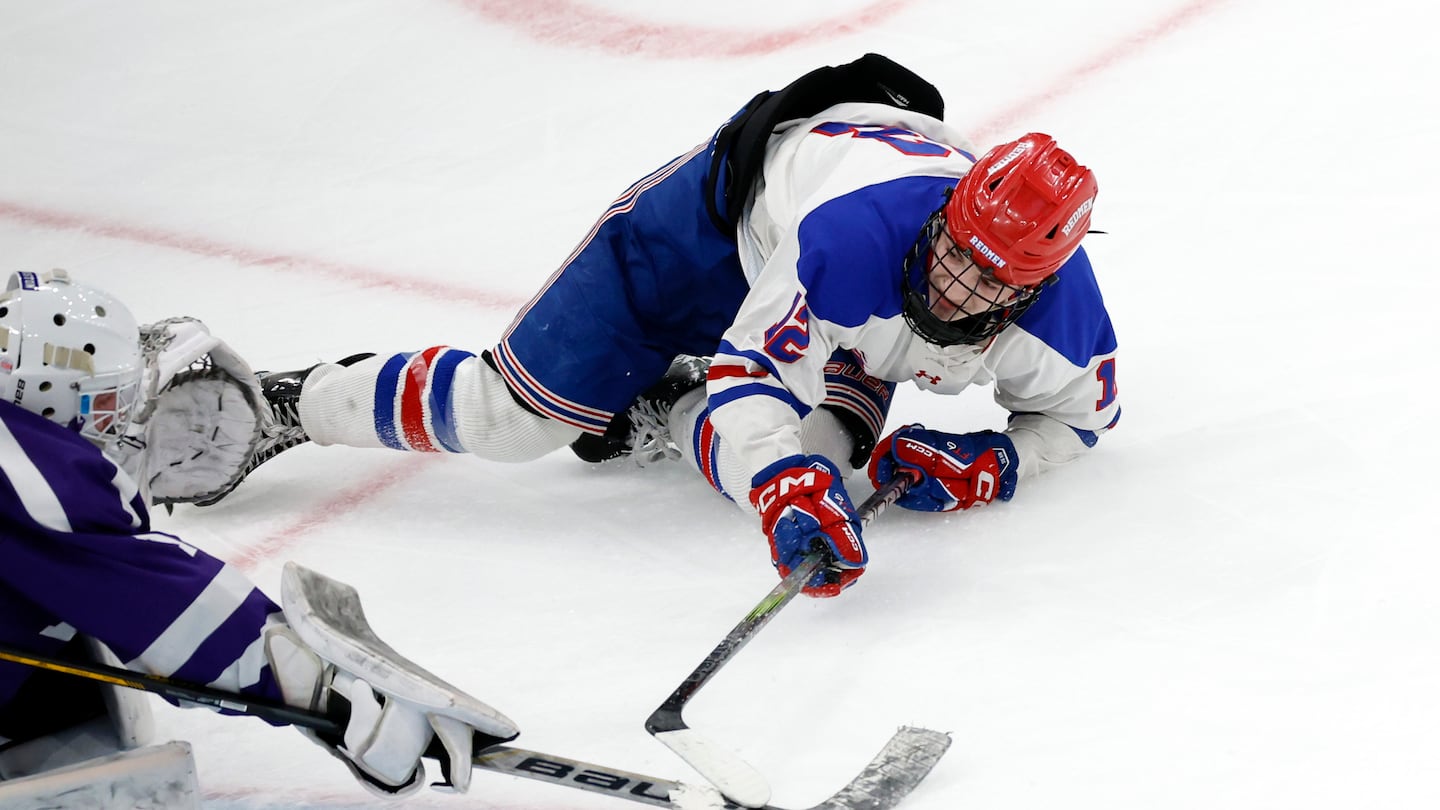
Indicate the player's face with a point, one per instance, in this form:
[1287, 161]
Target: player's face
[104, 410]
[960, 286]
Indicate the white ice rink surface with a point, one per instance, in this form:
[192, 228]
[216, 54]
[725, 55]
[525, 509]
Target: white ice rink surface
[1231, 604]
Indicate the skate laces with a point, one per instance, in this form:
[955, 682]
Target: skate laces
[649, 417]
[280, 428]
[650, 433]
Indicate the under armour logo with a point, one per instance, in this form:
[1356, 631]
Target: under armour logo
[933, 379]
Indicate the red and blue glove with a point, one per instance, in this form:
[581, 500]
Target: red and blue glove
[803, 510]
[958, 470]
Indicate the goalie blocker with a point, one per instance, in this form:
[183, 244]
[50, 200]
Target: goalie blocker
[326, 617]
[376, 711]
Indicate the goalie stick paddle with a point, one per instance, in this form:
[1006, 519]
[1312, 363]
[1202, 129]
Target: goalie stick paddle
[894, 772]
[734, 777]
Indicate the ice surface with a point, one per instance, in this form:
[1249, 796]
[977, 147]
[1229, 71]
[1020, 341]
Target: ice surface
[1231, 604]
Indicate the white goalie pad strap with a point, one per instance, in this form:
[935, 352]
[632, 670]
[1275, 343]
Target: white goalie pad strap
[201, 434]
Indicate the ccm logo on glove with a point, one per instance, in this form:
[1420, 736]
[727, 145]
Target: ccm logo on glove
[957, 471]
[803, 506]
[983, 478]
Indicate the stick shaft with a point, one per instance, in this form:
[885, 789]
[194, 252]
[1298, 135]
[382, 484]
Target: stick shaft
[667, 717]
[174, 689]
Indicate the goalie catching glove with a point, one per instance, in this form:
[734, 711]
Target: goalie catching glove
[958, 470]
[803, 510]
[202, 419]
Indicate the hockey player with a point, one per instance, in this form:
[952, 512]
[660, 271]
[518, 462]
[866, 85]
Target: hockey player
[91, 419]
[831, 240]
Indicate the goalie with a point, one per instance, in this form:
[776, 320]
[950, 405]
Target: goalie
[99, 418]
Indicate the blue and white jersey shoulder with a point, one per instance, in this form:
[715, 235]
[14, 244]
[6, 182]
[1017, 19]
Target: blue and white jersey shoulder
[841, 203]
[77, 554]
[1059, 358]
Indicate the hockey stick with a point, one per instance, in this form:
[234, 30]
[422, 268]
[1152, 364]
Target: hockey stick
[735, 778]
[889, 777]
[270, 711]
[884, 782]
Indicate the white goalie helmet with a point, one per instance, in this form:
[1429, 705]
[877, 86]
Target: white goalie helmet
[71, 353]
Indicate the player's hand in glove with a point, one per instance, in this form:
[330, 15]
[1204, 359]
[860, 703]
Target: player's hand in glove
[385, 734]
[958, 470]
[803, 510]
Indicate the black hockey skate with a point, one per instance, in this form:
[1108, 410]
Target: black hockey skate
[643, 429]
[282, 431]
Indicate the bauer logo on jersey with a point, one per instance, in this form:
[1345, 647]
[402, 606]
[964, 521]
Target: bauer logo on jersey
[788, 339]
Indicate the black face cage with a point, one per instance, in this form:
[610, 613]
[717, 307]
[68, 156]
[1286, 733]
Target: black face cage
[972, 329]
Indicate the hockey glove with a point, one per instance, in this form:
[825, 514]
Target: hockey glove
[803, 510]
[385, 734]
[958, 470]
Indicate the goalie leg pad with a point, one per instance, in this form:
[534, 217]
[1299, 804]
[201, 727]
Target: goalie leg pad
[160, 777]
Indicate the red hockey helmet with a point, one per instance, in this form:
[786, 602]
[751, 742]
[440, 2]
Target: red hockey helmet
[1022, 209]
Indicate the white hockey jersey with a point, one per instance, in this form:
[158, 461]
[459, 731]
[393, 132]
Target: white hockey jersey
[841, 201]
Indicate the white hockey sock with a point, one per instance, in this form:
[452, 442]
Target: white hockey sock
[821, 433]
[337, 406]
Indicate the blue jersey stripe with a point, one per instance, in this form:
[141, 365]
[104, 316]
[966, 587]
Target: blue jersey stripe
[387, 386]
[442, 413]
[1069, 316]
[729, 395]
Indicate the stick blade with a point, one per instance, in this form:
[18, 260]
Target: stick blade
[735, 778]
[899, 767]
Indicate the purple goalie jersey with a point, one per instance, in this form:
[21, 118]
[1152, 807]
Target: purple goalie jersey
[77, 555]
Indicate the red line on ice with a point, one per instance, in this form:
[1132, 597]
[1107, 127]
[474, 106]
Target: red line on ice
[351, 274]
[547, 21]
[346, 502]
[1127, 48]
[574, 24]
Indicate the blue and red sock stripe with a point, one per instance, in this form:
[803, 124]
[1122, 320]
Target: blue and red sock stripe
[413, 407]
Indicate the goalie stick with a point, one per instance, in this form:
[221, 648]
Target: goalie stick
[734, 777]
